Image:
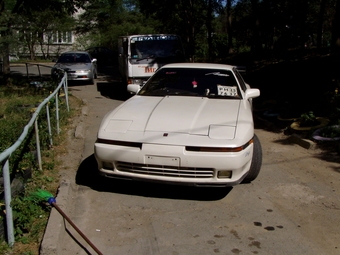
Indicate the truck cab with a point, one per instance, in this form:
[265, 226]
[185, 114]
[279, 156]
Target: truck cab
[139, 56]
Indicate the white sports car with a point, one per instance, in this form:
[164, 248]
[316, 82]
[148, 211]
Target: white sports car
[190, 124]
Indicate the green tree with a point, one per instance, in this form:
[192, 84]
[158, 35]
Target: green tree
[34, 25]
[187, 18]
[104, 20]
[26, 16]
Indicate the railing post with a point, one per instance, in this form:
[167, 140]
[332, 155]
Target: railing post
[39, 70]
[66, 91]
[49, 124]
[27, 70]
[57, 111]
[36, 128]
[8, 200]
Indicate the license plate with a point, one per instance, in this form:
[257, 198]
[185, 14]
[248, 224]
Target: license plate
[166, 161]
[72, 77]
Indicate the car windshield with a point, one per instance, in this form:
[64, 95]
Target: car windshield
[74, 58]
[212, 83]
[156, 47]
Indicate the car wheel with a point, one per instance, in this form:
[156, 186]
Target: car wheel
[91, 81]
[256, 162]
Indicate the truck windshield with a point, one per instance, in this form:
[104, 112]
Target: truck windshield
[167, 46]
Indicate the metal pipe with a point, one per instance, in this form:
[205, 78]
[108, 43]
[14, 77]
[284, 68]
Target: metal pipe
[39, 70]
[36, 128]
[57, 112]
[27, 70]
[66, 91]
[8, 199]
[76, 228]
[49, 124]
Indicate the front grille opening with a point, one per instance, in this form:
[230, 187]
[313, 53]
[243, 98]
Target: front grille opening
[107, 165]
[163, 170]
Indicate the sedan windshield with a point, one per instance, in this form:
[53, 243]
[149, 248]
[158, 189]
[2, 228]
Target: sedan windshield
[74, 58]
[211, 83]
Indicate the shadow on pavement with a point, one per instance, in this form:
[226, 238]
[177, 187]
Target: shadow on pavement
[87, 175]
[109, 83]
[113, 90]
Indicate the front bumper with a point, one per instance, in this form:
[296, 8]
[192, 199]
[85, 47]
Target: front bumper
[79, 76]
[172, 164]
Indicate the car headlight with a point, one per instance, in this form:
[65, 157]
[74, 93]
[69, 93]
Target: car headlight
[135, 81]
[83, 71]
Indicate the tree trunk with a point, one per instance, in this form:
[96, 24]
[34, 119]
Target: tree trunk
[336, 29]
[6, 66]
[229, 30]
[209, 29]
[320, 24]
[256, 42]
[5, 51]
[190, 28]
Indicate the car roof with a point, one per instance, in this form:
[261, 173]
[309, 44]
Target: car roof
[199, 65]
[75, 52]
[136, 35]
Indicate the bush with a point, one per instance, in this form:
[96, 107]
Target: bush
[17, 105]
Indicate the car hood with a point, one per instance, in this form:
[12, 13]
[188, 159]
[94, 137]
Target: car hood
[73, 66]
[173, 114]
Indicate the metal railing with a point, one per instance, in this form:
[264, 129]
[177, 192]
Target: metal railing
[6, 154]
[38, 67]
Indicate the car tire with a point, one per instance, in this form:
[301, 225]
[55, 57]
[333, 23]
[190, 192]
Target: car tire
[256, 162]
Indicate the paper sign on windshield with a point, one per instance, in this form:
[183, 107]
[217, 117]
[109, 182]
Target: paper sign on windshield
[226, 90]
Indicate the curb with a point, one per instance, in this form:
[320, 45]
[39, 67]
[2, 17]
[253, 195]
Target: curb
[56, 226]
[305, 143]
[293, 138]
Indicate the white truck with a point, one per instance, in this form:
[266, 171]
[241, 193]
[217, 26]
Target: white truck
[139, 56]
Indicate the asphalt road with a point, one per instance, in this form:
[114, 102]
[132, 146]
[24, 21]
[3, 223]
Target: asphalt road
[293, 207]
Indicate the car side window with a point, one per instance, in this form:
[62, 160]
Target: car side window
[240, 80]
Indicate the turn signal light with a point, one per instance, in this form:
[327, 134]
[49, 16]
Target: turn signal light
[219, 149]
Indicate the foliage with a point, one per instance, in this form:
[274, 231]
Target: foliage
[31, 18]
[330, 131]
[27, 214]
[35, 26]
[103, 21]
[17, 106]
[211, 30]
[308, 119]
[30, 216]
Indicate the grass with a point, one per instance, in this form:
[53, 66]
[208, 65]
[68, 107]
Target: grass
[30, 217]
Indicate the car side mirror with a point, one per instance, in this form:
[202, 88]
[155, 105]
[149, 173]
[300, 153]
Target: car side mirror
[252, 93]
[133, 88]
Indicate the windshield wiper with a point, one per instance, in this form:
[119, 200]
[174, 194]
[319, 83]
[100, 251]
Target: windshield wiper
[147, 57]
[221, 96]
[182, 93]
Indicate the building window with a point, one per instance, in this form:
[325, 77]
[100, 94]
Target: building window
[60, 37]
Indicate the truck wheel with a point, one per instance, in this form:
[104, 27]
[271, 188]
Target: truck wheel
[256, 162]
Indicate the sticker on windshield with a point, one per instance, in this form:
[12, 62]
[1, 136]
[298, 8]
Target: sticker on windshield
[194, 84]
[226, 90]
[218, 74]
